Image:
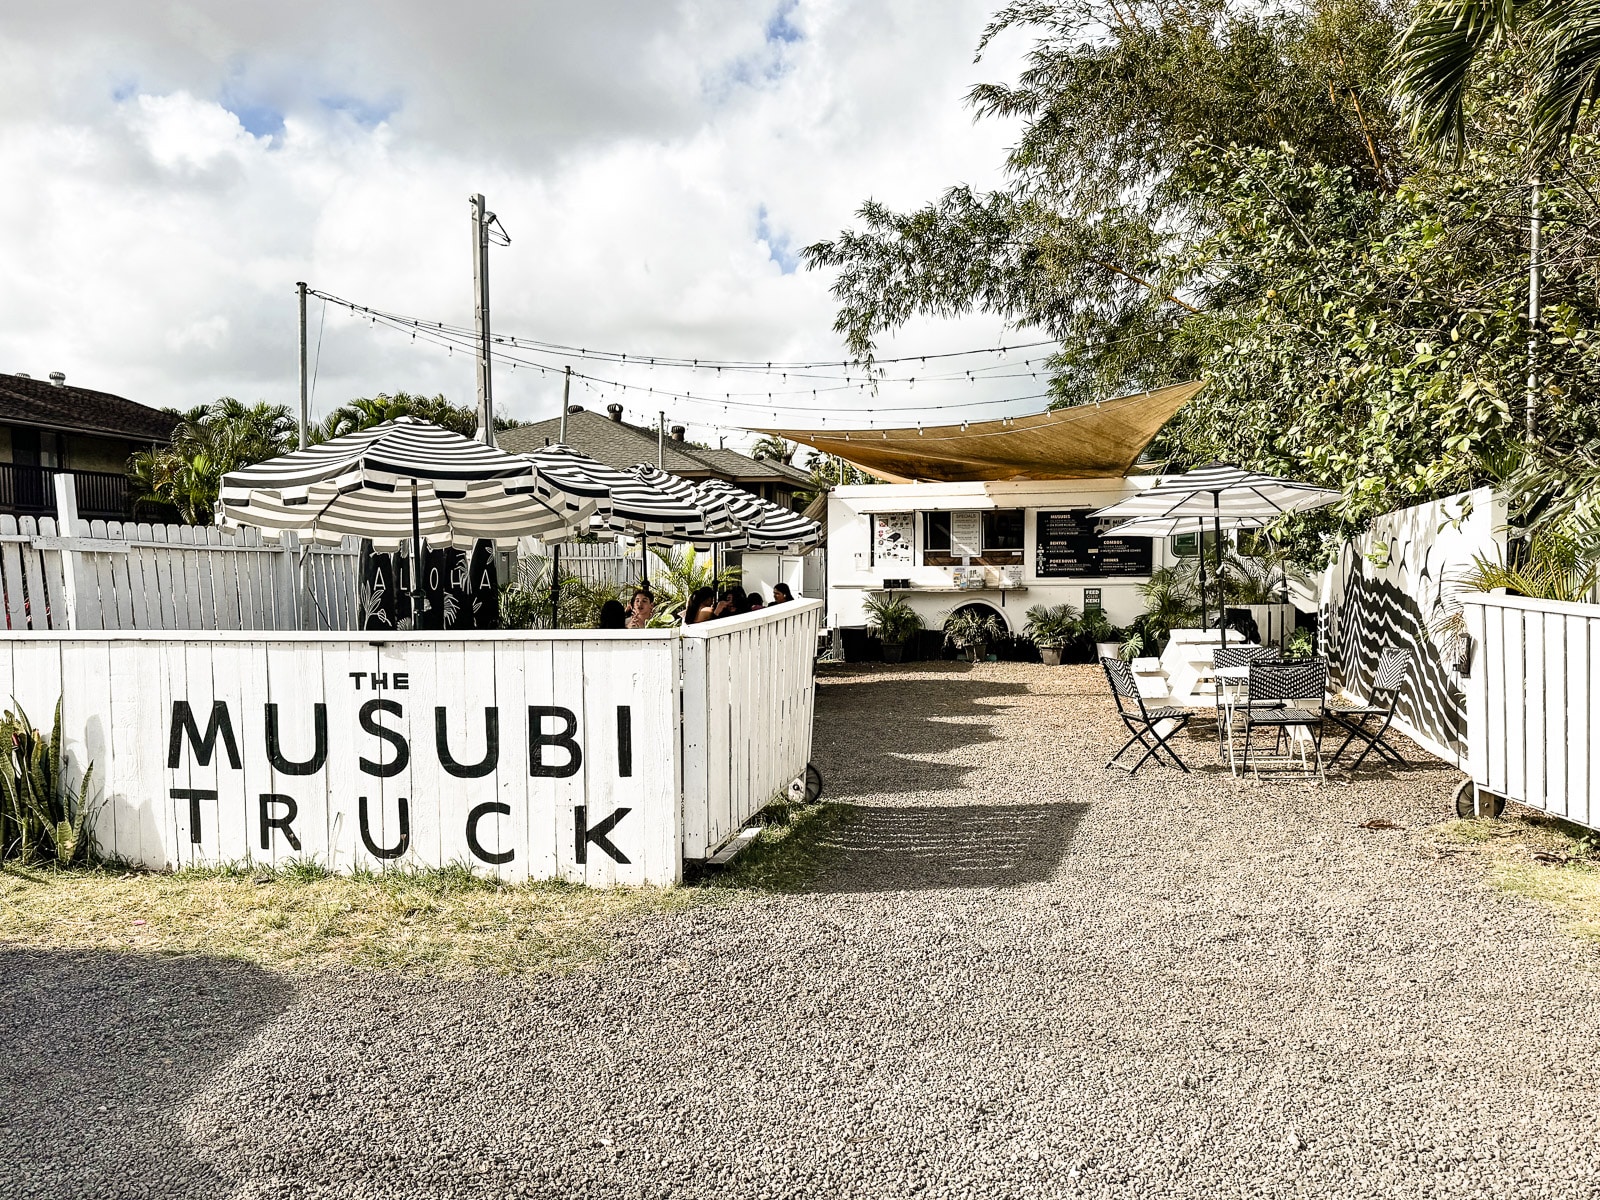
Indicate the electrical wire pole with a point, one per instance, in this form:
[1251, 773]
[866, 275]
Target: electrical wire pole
[305, 405]
[661, 440]
[486, 228]
[566, 396]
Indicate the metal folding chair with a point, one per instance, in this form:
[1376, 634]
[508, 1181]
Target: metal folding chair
[1235, 656]
[1393, 666]
[1142, 722]
[1285, 696]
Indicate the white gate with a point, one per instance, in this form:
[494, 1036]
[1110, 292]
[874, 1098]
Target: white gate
[1533, 719]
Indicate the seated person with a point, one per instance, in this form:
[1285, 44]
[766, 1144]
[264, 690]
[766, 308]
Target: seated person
[641, 608]
[781, 593]
[756, 603]
[613, 615]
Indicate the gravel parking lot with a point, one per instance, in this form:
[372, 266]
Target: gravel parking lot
[1017, 975]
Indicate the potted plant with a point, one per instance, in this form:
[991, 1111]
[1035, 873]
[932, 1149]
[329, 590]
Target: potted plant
[894, 622]
[971, 630]
[1107, 638]
[1050, 627]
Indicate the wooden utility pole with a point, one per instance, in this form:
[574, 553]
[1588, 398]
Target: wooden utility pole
[661, 440]
[480, 313]
[566, 396]
[305, 403]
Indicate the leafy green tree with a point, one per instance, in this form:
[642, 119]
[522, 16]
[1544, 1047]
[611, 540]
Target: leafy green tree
[367, 411]
[774, 448]
[211, 440]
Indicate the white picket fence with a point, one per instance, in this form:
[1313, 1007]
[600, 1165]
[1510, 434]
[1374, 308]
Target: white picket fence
[139, 576]
[748, 698]
[1533, 713]
[525, 754]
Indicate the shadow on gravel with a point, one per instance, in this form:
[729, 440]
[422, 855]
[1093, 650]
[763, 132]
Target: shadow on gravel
[875, 735]
[98, 1050]
[899, 849]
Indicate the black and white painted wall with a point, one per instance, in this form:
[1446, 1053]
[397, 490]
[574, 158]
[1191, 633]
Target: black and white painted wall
[1398, 585]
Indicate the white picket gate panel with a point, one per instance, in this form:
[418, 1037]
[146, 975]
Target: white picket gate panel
[749, 693]
[118, 576]
[1533, 718]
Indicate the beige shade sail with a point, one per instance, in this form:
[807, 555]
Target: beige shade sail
[1089, 441]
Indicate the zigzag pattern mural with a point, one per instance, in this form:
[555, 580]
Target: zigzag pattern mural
[1390, 587]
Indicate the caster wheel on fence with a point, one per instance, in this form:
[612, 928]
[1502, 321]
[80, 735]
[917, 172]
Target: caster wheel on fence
[1470, 799]
[807, 788]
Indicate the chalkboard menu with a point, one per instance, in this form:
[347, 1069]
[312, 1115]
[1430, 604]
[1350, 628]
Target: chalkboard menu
[1068, 548]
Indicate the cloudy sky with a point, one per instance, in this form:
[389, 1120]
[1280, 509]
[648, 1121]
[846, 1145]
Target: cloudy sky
[173, 169]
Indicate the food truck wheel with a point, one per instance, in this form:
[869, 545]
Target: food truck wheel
[813, 784]
[1467, 800]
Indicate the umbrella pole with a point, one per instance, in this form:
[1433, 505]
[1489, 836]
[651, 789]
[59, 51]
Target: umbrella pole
[416, 560]
[1222, 592]
[1200, 553]
[644, 559]
[555, 586]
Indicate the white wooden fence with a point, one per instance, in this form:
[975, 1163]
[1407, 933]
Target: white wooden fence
[1533, 713]
[748, 698]
[139, 576]
[524, 754]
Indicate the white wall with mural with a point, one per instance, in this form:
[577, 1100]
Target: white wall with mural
[1396, 585]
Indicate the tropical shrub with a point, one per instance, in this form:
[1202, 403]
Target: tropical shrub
[679, 573]
[892, 619]
[1549, 566]
[1051, 626]
[972, 626]
[43, 816]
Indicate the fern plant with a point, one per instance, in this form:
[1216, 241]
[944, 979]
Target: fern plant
[43, 817]
[1550, 566]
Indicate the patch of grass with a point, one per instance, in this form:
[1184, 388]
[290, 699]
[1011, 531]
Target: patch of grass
[792, 847]
[302, 918]
[1540, 858]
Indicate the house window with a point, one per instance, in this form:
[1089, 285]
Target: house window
[936, 533]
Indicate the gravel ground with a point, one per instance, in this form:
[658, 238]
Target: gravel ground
[1019, 975]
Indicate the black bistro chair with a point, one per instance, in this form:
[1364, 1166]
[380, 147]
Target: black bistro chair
[1393, 666]
[1141, 721]
[1236, 656]
[1285, 696]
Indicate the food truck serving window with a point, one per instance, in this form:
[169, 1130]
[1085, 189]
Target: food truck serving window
[993, 537]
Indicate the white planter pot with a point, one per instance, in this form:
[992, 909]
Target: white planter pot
[1107, 650]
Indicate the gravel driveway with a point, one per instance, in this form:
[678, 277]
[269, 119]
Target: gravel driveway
[1019, 975]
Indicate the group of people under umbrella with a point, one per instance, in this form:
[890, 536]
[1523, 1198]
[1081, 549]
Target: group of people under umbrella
[407, 485]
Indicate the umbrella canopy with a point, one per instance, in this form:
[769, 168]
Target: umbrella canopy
[397, 480]
[1222, 493]
[1221, 490]
[624, 501]
[762, 525]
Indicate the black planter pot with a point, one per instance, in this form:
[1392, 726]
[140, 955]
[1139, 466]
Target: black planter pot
[894, 652]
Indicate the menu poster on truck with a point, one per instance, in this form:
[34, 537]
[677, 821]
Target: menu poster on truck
[966, 534]
[891, 539]
[1069, 547]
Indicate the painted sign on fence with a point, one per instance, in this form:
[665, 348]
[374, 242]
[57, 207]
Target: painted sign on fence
[537, 755]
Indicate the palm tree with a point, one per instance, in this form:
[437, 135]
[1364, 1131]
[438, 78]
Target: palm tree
[682, 571]
[771, 446]
[1448, 39]
[211, 440]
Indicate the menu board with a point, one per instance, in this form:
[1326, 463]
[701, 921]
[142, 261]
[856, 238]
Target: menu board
[892, 538]
[966, 534]
[1068, 547]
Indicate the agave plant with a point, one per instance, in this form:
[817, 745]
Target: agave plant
[42, 815]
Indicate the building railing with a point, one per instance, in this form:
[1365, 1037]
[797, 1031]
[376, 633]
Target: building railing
[27, 491]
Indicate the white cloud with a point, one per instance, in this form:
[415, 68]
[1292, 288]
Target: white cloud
[659, 166]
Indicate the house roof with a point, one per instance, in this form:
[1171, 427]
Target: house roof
[1089, 441]
[45, 405]
[621, 445]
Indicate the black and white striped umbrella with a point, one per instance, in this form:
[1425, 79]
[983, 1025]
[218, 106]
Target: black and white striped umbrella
[624, 501]
[1220, 492]
[762, 525]
[717, 523]
[397, 480]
